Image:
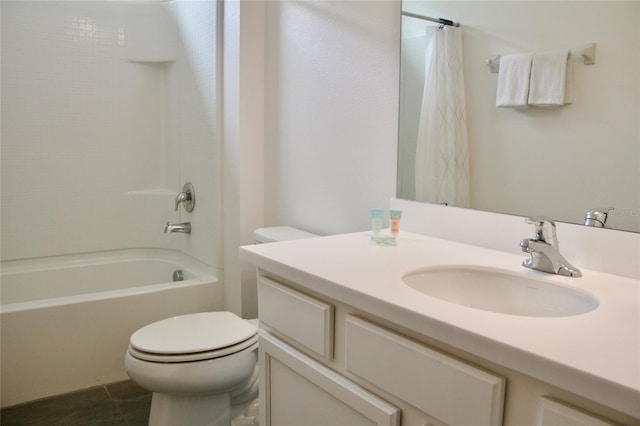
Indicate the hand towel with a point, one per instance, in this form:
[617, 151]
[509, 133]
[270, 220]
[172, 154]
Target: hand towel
[549, 79]
[513, 81]
[568, 83]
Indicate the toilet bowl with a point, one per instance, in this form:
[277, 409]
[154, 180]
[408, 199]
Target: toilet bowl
[202, 368]
[197, 366]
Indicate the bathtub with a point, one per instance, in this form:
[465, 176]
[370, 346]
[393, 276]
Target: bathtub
[65, 321]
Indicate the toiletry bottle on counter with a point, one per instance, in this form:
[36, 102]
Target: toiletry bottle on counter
[395, 216]
[376, 222]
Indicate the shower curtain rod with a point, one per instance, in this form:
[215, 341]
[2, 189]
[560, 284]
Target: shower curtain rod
[440, 21]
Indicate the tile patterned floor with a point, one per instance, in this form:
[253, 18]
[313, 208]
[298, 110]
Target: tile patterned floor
[117, 404]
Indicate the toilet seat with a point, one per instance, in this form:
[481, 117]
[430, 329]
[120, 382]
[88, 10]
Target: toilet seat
[193, 337]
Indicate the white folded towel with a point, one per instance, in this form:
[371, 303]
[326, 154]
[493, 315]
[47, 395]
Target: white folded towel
[568, 82]
[513, 81]
[550, 79]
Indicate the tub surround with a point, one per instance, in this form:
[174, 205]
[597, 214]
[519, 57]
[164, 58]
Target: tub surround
[134, 100]
[594, 355]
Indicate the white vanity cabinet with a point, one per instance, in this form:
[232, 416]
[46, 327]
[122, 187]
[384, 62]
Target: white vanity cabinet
[324, 362]
[376, 376]
[294, 388]
[343, 335]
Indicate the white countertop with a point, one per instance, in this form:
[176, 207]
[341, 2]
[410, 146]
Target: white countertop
[595, 355]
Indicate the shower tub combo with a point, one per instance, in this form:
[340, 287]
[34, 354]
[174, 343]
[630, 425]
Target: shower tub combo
[66, 320]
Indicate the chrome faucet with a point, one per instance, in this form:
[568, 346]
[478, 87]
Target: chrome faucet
[184, 228]
[544, 251]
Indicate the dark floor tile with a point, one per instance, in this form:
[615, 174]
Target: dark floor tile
[136, 413]
[102, 415]
[126, 391]
[133, 401]
[120, 404]
[55, 409]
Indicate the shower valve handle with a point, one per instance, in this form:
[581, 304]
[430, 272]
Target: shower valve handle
[187, 197]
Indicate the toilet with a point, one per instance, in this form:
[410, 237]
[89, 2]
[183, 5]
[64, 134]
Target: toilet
[196, 365]
[200, 366]
[280, 233]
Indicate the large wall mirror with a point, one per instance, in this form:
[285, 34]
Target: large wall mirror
[559, 162]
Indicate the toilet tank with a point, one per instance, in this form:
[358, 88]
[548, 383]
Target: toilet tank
[279, 233]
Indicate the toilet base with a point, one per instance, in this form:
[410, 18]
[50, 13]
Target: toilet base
[191, 410]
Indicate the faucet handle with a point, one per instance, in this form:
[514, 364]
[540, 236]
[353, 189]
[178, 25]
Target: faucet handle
[187, 196]
[180, 198]
[544, 228]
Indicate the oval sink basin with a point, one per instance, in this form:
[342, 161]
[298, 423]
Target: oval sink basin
[500, 291]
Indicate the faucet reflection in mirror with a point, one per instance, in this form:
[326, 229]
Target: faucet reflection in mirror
[598, 217]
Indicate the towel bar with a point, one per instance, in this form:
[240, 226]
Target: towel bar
[587, 54]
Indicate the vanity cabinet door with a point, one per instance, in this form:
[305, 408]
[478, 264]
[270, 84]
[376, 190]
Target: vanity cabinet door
[296, 390]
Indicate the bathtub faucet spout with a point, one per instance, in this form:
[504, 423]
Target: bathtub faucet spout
[184, 228]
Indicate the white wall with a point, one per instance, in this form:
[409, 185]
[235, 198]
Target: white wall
[107, 108]
[519, 157]
[243, 145]
[331, 112]
[310, 94]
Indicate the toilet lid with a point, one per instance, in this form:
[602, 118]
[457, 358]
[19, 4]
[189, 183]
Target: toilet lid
[193, 333]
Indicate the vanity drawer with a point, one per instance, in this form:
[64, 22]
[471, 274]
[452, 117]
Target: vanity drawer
[296, 316]
[452, 391]
[554, 413]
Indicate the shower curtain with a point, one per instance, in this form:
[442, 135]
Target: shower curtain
[442, 160]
